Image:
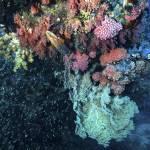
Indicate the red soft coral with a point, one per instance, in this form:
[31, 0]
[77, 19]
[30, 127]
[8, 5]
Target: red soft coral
[33, 36]
[114, 55]
[72, 6]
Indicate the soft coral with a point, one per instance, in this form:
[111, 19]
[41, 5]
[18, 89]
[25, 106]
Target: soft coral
[33, 36]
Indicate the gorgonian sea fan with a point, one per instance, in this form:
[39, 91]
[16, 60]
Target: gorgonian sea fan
[108, 29]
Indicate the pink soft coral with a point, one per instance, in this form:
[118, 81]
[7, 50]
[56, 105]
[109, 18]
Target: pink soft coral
[117, 88]
[111, 73]
[99, 77]
[108, 29]
[80, 62]
[77, 61]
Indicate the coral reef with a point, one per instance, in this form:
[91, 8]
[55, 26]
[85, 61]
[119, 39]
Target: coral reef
[102, 47]
[32, 35]
[12, 51]
[99, 115]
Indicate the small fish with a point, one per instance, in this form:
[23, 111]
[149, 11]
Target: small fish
[57, 42]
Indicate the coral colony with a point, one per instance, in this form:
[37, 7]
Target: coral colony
[103, 45]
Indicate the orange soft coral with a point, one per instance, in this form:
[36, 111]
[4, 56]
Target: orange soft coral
[113, 56]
